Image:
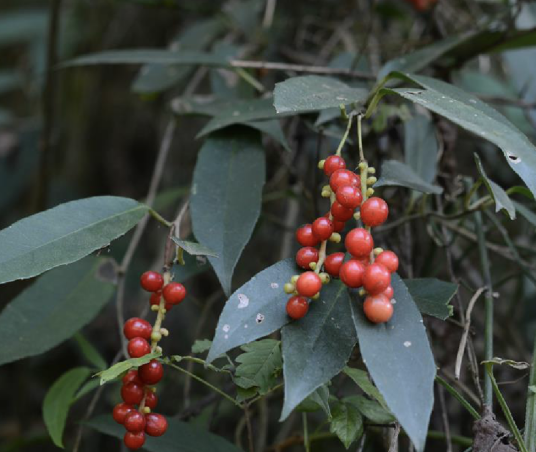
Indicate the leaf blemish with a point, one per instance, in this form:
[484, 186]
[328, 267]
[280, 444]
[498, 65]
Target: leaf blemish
[512, 157]
[226, 328]
[407, 344]
[243, 301]
[274, 285]
[259, 319]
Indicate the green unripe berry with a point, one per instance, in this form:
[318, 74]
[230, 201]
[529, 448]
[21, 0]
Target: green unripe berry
[156, 336]
[378, 251]
[370, 192]
[294, 279]
[357, 215]
[312, 265]
[371, 170]
[321, 164]
[335, 237]
[289, 288]
[164, 331]
[371, 180]
[155, 307]
[146, 410]
[316, 296]
[324, 277]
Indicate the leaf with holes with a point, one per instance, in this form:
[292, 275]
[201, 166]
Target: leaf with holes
[346, 423]
[432, 296]
[395, 173]
[259, 365]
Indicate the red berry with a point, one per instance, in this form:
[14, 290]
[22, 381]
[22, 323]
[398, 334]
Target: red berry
[308, 284]
[156, 424]
[351, 273]
[134, 440]
[389, 260]
[151, 373]
[333, 264]
[305, 256]
[132, 393]
[136, 327]
[174, 293]
[155, 298]
[150, 399]
[359, 242]
[322, 228]
[151, 281]
[332, 164]
[374, 211]
[120, 411]
[343, 177]
[134, 421]
[349, 196]
[378, 308]
[132, 375]
[297, 307]
[338, 226]
[305, 236]
[377, 278]
[389, 292]
[341, 213]
[138, 347]
[168, 306]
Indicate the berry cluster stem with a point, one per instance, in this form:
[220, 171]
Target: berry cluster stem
[161, 313]
[345, 136]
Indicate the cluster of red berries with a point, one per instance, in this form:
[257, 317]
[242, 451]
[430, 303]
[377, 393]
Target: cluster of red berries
[138, 391]
[368, 268]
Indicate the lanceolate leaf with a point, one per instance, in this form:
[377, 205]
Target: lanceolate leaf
[119, 368]
[255, 310]
[396, 352]
[55, 307]
[421, 147]
[226, 196]
[90, 352]
[317, 347]
[398, 174]
[259, 365]
[432, 296]
[64, 234]
[58, 401]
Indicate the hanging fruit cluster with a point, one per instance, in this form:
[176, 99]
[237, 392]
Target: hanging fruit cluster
[138, 391]
[368, 269]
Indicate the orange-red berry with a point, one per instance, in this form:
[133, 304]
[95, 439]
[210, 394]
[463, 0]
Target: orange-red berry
[297, 307]
[136, 327]
[352, 273]
[359, 242]
[374, 211]
[378, 308]
[305, 236]
[308, 284]
[389, 260]
[151, 281]
[332, 164]
[174, 293]
[376, 279]
[333, 264]
[305, 256]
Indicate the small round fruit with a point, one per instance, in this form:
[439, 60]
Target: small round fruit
[305, 256]
[151, 399]
[338, 226]
[343, 177]
[322, 228]
[341, 213]
[378, 308]
[132, 375]
[120, 411]
[349, 196]
[134, 441]
[351, 273]
[374, 211]
[155, 298]
[333, 264]
[305, 236]
[297, 307]
[389, 260]
[151, 373]
[136, 327]
[156, 424]
[332, 164]
[376, 279]
[308, 284]
[389, 292]
[138, 347]
[134, 421]
[359, 242]
[132, 393]
[174, 293]
[151, 281]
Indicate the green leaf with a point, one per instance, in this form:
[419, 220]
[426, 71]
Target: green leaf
[226, 196]
[319, 399]
[346, 423]
[120, 368]
[180, 437]
[193, 248]
[255, 310]
[90, 352]
[361, 379]
[243, 394]
[398, 351]
[502, 201]
[22, 25]
[259, 365]
[58, 401]
[64, 234]
[371, 409]
[312, 93]
[398, 174]
[193, 265]
[201, 346]
[317, 347]
[55, 307]
[432, 296]
[86, 389]
[525, 212]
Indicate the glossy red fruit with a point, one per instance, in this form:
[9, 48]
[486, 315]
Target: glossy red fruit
[134, 421]
[151, 281]
[134, 441]
[155, 298]
[332, 164]
[343, 177]
[359, 243]
[376, 279]
[136, 327]
[305, 236]
[132, 375]
[389, 292]
[374, 211]
[138, 347]
[341, 213]
[305, 256]
[333, 264]
[338, 226]
[351, 273]
[297, 307]
[168, 306]
[308, 284]
[132, 393]
[322, 228]
[151, 373]
[174, 293]
[349, 196]
[389, 260]
[120, 411]
[156, 424]
[151, 399]
[378, 308]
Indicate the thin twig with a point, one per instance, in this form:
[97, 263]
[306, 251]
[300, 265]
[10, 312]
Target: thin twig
[269, 14]
[249, 428]
[445, 418]
[393, 447]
